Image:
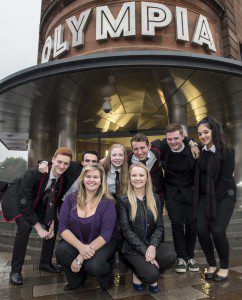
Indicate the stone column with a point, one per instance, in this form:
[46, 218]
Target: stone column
[41, 146]
[176, 103]
[67, 132]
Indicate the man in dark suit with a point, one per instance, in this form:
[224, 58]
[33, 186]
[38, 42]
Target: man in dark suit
[72, 174]
[33, 201]
[179, 166]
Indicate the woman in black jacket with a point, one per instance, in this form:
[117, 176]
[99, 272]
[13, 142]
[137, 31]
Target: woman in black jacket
[140, 218]
[215, 196]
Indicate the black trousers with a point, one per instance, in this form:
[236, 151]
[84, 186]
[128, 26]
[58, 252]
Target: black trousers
[99, 266]
[184, 234]
[148, 272]
[21, 242]
[210, 236]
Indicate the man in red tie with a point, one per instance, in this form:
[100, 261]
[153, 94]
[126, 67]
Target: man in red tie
[33, 201]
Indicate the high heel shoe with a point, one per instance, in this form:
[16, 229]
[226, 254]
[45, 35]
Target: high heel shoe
[138, 287]
[209, 275]
[154, 289]
[219, 278]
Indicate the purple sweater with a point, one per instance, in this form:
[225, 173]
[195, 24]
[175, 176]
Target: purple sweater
[103, 221]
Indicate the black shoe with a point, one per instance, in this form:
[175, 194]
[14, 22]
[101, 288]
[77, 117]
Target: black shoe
[48, 268]
[16, 278]
[154, 289]
[67, 288]
[219, 278]
[209, 275]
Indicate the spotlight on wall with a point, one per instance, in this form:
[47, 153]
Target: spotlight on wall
[107, 106]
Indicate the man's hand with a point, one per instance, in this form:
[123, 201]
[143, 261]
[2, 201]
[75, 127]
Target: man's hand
[195, 152]
[150, 253]
[42, 233]
[86, 251]
[43, 167]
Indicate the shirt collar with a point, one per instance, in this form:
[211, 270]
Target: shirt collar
[113, 170]
[212, 149]
[52, 176]
[179, 150]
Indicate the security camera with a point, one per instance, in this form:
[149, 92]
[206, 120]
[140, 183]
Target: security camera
[107, 106]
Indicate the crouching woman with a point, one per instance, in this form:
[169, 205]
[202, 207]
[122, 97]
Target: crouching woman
[141, 223]
[86, 225]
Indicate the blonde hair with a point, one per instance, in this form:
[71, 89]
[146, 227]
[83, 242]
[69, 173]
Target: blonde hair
[102, 190]
[151, 203]
[123, 177]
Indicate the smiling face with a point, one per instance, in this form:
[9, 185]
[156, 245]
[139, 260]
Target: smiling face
[89, 159]
[138, 177]
[174, 140]
[60, 164]
[205, 135]
[92, 181]
[140, 149]
[117, 157]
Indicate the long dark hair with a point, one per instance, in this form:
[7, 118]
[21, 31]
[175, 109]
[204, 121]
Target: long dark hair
[218, 135]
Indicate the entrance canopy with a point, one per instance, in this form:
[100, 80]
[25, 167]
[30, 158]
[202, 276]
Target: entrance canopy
[140, 86]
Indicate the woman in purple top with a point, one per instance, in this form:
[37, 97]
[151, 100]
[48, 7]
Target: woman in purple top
[86, 225]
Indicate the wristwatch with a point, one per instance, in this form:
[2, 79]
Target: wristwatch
[78, 262]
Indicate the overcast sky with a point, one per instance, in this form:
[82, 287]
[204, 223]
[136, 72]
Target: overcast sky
[19, 27]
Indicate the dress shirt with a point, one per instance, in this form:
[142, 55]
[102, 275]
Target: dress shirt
[212, 149]
[72, 189]
[50, 180]
[111, 180]
[149, 163]
[179, 150]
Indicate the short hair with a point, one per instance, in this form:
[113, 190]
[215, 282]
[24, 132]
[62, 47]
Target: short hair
[174, 127]
[140, 137]
[90, 152]
[63, 151]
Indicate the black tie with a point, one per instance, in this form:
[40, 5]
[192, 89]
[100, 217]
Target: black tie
[116, 184]
[144, 161]
[48, 201]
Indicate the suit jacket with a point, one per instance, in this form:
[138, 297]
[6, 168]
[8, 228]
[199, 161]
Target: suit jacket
[23, 196]
[183, 183]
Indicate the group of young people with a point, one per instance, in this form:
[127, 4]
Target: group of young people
[116, 204]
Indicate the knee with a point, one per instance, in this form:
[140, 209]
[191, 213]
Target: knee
[166, 257]
[218, 233]
[178, 226]
[96, 269]
[169, 260]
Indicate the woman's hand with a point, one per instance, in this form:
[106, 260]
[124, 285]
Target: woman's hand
[51, 230]
[43, 167]
[154, 262]
[77, 264]
[86, 251]
[150, 253]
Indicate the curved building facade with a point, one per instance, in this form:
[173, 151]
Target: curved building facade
[152, 62]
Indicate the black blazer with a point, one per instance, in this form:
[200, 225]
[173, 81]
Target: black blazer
[133, 231]
[22, 197]
[185, 182]
[222, 172]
